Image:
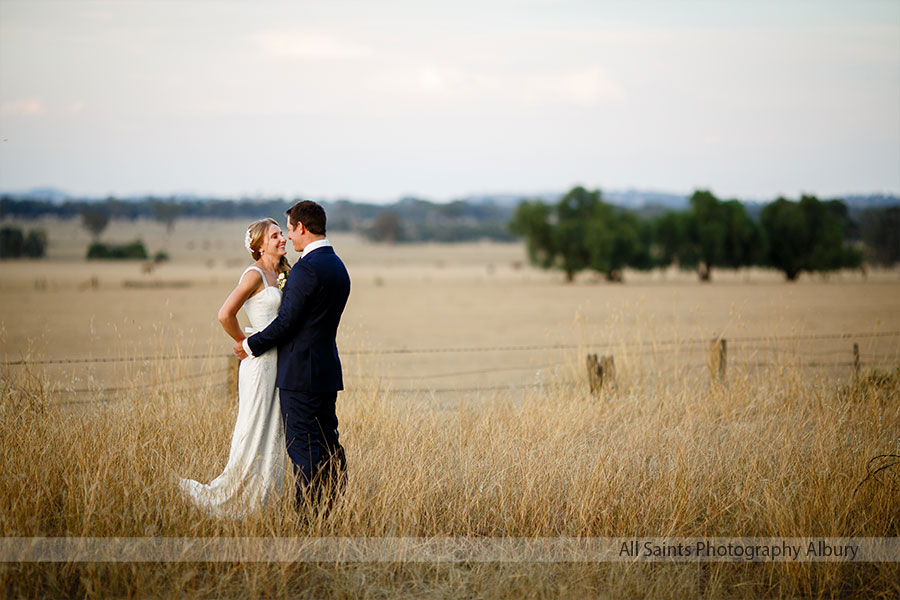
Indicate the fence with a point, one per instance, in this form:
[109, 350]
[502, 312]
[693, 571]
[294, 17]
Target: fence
[600, 368]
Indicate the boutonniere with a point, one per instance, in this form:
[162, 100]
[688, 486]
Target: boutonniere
[281, 280]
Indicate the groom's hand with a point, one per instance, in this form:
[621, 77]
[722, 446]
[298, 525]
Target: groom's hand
[238, 348]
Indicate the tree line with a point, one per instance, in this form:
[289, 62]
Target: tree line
[407, 220]
[582, 232]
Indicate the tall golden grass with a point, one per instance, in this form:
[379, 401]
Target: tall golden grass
[776, 453]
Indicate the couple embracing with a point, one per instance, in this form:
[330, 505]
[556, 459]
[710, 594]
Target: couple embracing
[290, 371]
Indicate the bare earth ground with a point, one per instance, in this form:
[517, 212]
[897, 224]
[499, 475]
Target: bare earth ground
[430, 296]
[486, 430]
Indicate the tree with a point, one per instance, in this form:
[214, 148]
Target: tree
[618, 239]
[132, 251]
[166, 212]
[577, 213]
[387, 228]
[35, 244]
[95, 218]
[11, 242]
[805, 236]
[582, 232]
[722, 234]
[880, 231]
[707, 232]
[531, 221]
[712, 234]
[671, 245]
[743, 238]
[15, 244]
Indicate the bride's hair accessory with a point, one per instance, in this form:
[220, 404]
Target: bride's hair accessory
[248, 240]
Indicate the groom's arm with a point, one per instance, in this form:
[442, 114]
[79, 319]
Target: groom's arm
[300, 284]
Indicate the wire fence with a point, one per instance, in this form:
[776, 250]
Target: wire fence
[817, 358]
[474, 349]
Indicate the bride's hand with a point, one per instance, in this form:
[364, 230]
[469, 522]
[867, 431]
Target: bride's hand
[238, 348]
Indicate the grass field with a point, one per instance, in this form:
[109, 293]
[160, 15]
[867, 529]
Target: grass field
[496, 435]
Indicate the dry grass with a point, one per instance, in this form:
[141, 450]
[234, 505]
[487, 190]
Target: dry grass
[778, 451]
[763, 456]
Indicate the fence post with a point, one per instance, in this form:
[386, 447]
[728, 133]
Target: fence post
[594, 377]
[856, 364]
[234, 366]
[608, 370]
[717, 360]
[600, 371]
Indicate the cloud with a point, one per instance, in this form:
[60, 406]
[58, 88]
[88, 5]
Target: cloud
[584, 87]
[433, 80]
[588, 87]
[21, 108]
[308, 44]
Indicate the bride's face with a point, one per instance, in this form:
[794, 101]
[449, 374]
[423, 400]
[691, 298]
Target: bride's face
[274, 242]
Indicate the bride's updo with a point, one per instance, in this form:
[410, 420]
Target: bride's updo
[256, 233]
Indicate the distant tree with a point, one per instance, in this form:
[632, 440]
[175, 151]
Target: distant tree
[670, 240]
[618, 239]
[743, 239]
[35, 244]
[11, 242]
[707, 232]
[166, 212]
[120, 209]
[387, 228]
[805, 236]
[712, 234]
[849, 225]
[132, 251]
[721, 233]
[578, 229]
[453, 210]
[582, 232]
[531, 221]
[880, 231]
[15, 244]
[95, 218]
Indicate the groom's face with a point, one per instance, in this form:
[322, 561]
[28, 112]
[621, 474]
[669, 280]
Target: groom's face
[295, 235]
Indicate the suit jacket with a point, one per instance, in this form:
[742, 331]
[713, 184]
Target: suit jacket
[305, 329]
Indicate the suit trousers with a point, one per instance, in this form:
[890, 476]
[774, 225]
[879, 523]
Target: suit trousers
[311, 435]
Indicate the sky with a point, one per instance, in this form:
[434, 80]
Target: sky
[378, 100]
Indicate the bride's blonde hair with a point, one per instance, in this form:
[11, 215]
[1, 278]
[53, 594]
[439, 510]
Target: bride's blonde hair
[256, 232]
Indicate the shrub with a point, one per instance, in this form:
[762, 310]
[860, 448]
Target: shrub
[132, 251]
[15, 244]
[11, 241]
[35, 245]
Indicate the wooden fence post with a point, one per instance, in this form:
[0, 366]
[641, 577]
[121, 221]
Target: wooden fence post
[600, 371]
[856, 364]
[608, 370]
[718, 356]
[594, 377]
[234, 366]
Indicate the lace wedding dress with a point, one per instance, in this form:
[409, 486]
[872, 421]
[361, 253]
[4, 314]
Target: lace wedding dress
[256, 462]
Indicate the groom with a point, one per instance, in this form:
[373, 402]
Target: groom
[309, 369]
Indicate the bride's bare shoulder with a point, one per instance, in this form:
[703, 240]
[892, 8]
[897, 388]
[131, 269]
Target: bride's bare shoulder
[251, 280]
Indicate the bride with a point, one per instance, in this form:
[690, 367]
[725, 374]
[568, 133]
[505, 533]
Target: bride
[256, 461]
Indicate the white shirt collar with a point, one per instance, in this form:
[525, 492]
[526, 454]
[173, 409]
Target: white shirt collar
[314, 246]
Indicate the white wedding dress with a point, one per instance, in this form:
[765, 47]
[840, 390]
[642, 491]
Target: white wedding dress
[256, 463]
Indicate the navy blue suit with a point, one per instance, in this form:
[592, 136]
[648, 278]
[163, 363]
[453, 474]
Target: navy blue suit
[309, 368]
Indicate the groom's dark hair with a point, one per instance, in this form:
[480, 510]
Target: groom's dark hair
[310, 214]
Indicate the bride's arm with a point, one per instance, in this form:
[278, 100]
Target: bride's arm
[228, 313]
